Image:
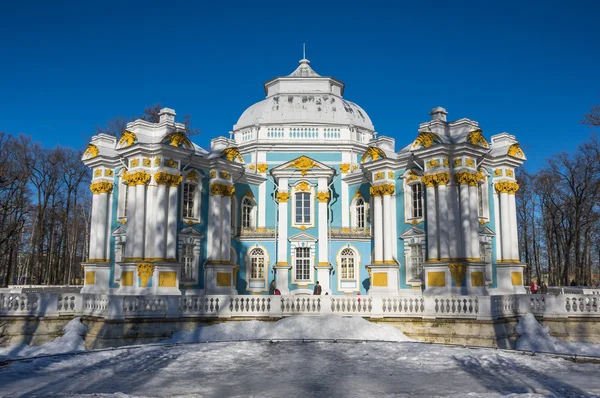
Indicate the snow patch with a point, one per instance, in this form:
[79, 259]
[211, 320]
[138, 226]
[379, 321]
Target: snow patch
[535, 337]
[320, 327]
[71, 340]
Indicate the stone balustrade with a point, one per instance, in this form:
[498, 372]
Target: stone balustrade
[224, 306]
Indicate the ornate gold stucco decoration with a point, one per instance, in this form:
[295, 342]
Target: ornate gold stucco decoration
[428, 180]
[458, 272]
[383, 189]
[373, 153]
[146, 162]
[412, 176]
[213, 174]
[192, 176]
[108, 172]
[433, 163]
[445, 162]
[97, 173]
[510, 173]
[91, 152]
[224, 175]
[282, 196]
[344, 168]
[145, 271]
[391, 175]
[431, 180]
[515, 151]
[137, 178]
[164, 178]
[127, 139]
[497, 172]
[470, 162]
[457, 162]
[304, 164]
[509, 187]
[178, 139]
[134, 162]
[222, 189]
[468, 177]
[171, 163]
[379, 175]
[323, 196]
[476, 138]
[302, 186]
[426, 139]
[101, 187]
[157, 162]
[262, 167]
[232, 154]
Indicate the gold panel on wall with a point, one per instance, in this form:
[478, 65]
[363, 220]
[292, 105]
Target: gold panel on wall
[436, 279]
[516, 278]
[476, 279]
[167, 279]
[223, 279]
[90, 277]
[127, 278]
[380, 279]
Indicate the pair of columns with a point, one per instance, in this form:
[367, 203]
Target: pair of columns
[508, 238]
[100, 221]
[219, 222]
[383, 223]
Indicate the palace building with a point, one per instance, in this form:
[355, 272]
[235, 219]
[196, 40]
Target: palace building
[304, 190]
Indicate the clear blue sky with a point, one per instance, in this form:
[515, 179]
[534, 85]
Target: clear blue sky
[529, 68]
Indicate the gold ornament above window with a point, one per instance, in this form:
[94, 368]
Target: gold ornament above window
[192, 176]
[302, 186]
[304, 164]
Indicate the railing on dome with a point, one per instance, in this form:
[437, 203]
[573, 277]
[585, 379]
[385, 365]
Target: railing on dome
[303, 133]
[350, 232]
[257, 232]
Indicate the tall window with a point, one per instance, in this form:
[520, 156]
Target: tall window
[360, 213]
[416, 260]
[126, 188]
[188, 262]
[417, 200]
[247, 210]
[188, 200]
[303, 207]
[347, 261]
[302, 263]
[257, 264]
[480, 199]
[482, 252]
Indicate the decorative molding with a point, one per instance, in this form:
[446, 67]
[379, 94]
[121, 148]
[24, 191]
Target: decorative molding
[302, 186]
[91, 152]
[345, 168]
[470, 162]
[458, 272]
[108, 173]
[510, 173]
[304, 164]
[412, 176]
[426, 139]
[213, 174]
[379, 175]
[323, 196]
[134, 162]
[433, 163]
[515, 151]
[381, 190]
[497, 172]
[178, 139]
[282, 196]
[373, 153]
[192, 176]
[145, 271]
[431, 180]
[224, 175]
[509, 187]
[262, 167]
[127, 139]
[164, 178]
[222, 189]
[476, 138]
[146, 162]
[232, 154]
[457, 162]
[101, 187]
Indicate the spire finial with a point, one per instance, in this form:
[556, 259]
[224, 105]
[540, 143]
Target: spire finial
[303, 50]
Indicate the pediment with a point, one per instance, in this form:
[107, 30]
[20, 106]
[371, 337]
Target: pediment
[485, 230]
[304, 164]
[413, 233]
[189, 231]
[302, 237]
[119, 231]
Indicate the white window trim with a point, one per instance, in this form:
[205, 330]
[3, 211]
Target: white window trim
[257, 284]
[252, 212]
[194, 240]
[408, 202]
[486, 199]
[121, 206]
[357, 262]
[311, 191]
[485, 240]
[197, 201]
[416, 240]
[354, 212]
[311, 246]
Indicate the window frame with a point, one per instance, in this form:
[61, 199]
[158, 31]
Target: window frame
[483, 199]
[306, 261]
[251, 208]
[409, 201]
[311, 203]
[196, 203]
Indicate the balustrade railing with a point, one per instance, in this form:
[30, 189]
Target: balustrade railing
[257, 232]
[350, 232]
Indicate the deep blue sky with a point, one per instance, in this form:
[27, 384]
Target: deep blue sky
[528, 68]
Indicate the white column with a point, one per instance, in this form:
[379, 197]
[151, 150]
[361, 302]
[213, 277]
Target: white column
[514, 238]
[432, 229]
[387, 228]
[345, 199]
[150, 230]
[454, 239]
[465, 220]
[282, 233]
[130, 226]
[139, 215]
[101, 226]
[505, 227]
[322, 227]
[262, 205]
[377, 229]
[474, 219]
[444, 222]
[94, 228]
[498, 226]
[226, 228]
[172, 224]
[214, 227]
[162, 207]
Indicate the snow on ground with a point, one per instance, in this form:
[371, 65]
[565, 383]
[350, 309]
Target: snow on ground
[293, 369]
[327, 327]
[535, 337]
[71, 340]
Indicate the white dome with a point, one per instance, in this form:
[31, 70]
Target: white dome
[304, 97]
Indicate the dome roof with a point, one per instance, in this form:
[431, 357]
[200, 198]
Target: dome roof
[304, 97]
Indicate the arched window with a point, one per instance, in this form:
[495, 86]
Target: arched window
[257, 264]
[248, 206]
[359, 210]
[347, 263]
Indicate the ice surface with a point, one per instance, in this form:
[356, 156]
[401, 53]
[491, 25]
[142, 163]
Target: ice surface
[535, 337]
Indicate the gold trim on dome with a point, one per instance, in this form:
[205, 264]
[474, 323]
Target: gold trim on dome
[178, 139]
[304, 164]
[164, 178]
[101, 187]
[476, 138]
[127, 139]
[426, 139]
[509, 187]
[262, 167]
[145, 271]
[232, 154]
[222, 189]
[374, 153]
[515, 151]
[137, 178]
[282, 196]
[323, 196]
[91, 152]
[302, 186]
[345, 168]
